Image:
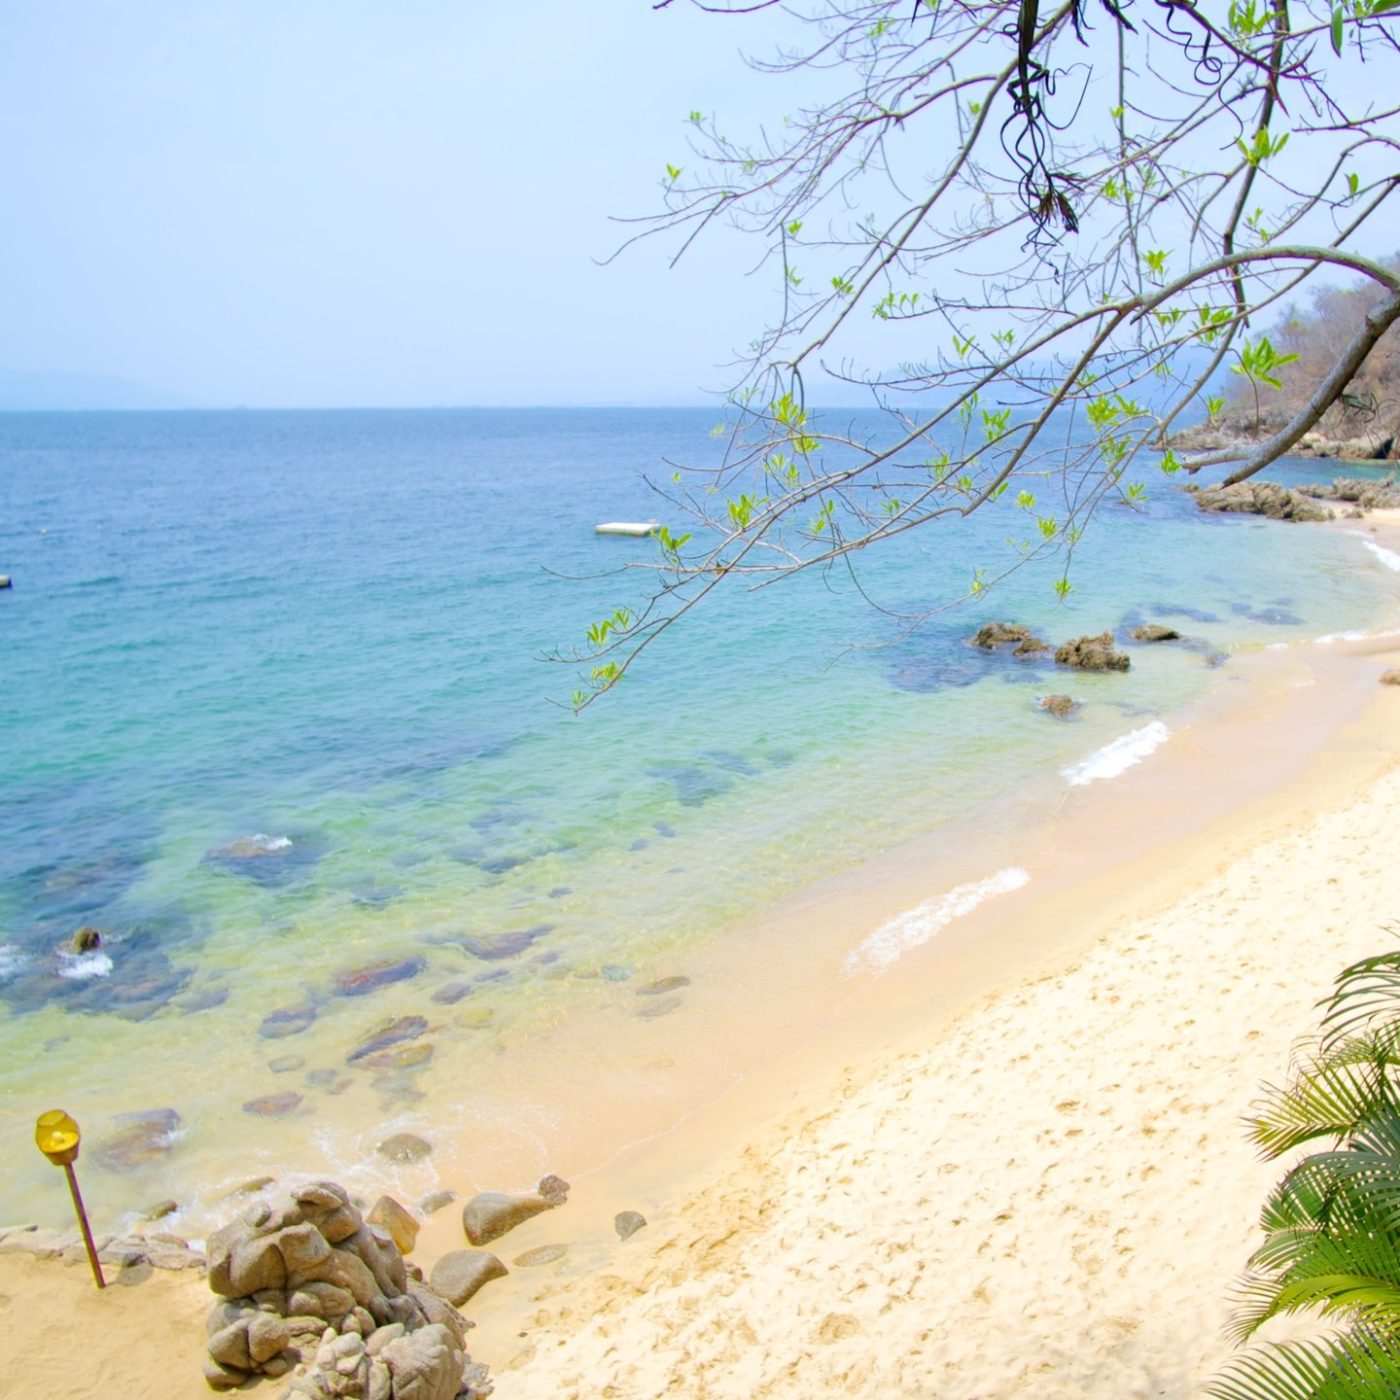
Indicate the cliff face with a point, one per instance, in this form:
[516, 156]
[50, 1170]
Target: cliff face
[1362, 426]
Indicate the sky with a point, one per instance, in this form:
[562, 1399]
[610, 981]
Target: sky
[355, 203]
[333, 202]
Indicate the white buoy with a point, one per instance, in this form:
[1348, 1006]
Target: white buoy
[636, 528]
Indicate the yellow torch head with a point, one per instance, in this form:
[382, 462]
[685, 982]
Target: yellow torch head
[57, 1137]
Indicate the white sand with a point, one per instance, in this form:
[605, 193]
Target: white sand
[1051, 1200]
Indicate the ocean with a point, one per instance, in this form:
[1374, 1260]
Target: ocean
[277, 719]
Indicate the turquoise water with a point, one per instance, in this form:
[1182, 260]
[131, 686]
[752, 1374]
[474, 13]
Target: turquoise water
[326, 629]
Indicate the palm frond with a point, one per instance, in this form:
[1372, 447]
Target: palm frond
[1365, 992]
[1351, 1366]
[1322, 1100]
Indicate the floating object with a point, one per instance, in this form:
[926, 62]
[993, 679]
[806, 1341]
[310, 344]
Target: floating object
[637, 529]
[57, 1137]
[7, 582]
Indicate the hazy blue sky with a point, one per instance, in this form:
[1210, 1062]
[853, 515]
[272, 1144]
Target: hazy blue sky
[346, 202]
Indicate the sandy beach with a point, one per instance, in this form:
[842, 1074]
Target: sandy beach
[1031, 1178]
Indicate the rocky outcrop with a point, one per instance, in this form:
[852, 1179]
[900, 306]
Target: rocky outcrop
[160, 1249]
[1154, 632]
[1061, 706]
[1368, 495]
[1021, 639]
[1266, 498]
[308, 1283]
[460, 1275]
[1093, 654]
[1242, 432]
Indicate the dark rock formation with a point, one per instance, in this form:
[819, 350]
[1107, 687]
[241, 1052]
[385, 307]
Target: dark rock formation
[996, 634]
[1092, 654]
[1265, 498]
[1368, 495]
[1154, 632]
[86, 940]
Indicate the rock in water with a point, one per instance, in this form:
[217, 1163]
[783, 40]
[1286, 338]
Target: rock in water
[1265, 498]
[491, 1214]
[388, 1033]
[273, 1105]
[405, 1147]
[628, 1222]
[1391, 677]
[1061, 706]
[505, 945]
[1155, 632]
[141, 1138]
[1093, 654]
[460, 1275]
[996, 634]
[364, 980]
[663, 985]
[87, 940]
[286, 1020]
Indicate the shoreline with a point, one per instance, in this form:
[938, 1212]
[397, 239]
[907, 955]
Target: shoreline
[854, 1037]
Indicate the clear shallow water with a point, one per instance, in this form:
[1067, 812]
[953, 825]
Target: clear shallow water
[326, 628]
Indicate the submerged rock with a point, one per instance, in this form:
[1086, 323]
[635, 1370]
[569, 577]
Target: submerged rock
[388, 1033]
[450, 993]
[1061, 706]
[274, 1105]
[1154, 632]
[405, 1147]
[663, 985]
[364, 980]
[140, 1139]
[286, 1020]
[542, 1254]
[1093, 654]
[494, 947]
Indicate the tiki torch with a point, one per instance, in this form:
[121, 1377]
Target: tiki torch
[57, 1137]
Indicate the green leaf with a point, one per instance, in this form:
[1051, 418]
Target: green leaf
[1337, 29]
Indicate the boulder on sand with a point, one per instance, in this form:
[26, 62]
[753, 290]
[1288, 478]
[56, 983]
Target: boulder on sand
[491, 1214]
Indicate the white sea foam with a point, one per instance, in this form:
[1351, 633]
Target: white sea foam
[1328, 638]
[81, 966]
[916, 926]
[13, 961]
[270, 843]
[1388, 557]
[1119, 756]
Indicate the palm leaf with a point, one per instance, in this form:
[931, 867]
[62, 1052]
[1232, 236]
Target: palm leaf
[1365, 992]
[1351, 1366]
[1323, 1100]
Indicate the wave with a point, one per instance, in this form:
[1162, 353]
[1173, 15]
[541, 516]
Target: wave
[13, 961]
[1119, 756]
[916, 926]
[1388, 557]
[80, 966]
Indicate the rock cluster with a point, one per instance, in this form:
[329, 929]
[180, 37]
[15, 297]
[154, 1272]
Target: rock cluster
[996, 634]
[1265, 498]
[1369, 495]
[308, 1283]
[1093, 654]
[160, 1249]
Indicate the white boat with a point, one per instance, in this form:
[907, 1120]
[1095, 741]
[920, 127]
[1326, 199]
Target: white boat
[636, 528]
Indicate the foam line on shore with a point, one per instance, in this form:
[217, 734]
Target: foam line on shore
[1388, 557]
[916, 926]
[1117, 757]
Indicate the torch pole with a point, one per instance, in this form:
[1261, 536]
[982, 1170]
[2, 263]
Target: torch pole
[83, 1222]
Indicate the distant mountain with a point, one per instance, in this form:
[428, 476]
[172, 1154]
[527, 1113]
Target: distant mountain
[55, 389]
